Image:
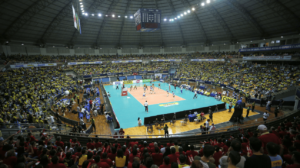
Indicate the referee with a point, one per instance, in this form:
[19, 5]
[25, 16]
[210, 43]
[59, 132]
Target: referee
[146, 106]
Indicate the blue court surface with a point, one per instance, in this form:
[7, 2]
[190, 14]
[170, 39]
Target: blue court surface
[128, 109]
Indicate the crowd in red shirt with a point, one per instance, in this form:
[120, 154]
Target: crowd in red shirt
[104, 154]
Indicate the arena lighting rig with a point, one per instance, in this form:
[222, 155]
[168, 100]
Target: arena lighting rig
[201, 4]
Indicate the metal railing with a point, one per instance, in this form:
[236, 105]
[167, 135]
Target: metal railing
[222, 130]
[34, 128]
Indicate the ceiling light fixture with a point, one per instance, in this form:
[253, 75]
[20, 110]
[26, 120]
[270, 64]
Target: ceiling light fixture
[93, 15]
[208, 1]
[119, 16]
[202, 4]
[22, 44]
[131, 17]
[125, 16]
[184, 13]
[181, 14]
[188, 11]
[165, 19]
[193, 9]
[113, 15]
[99, 15]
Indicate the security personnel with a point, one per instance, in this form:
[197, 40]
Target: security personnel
[248, 109]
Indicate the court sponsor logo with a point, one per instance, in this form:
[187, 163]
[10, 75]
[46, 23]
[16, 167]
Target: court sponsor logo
[228, 100]
[169, 104]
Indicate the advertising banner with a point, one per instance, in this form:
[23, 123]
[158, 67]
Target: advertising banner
[137, 81]
[128, 82]
[84, 63]
[146, 80]
[32, 65]
[126, 61]
[228, 100]
[288, 57]
[166, 60]
[283, 47]
[203, 60]
[118, 83]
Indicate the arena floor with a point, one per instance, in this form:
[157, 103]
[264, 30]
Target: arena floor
[129, 108]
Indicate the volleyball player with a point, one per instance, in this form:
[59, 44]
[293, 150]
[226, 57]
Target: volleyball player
[173, 95]
[181, 89]
[130, 87]
[151, 90]
[167, 93]
[159, 85]
[195, 96]
[144, 88]
[117, 87]
[135, 87]
[144, 94]
[169, 87]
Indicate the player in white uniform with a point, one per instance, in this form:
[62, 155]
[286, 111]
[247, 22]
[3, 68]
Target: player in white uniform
[173, 95]
[181, 88]
[167, 93]
[151, 89]
[144, 94]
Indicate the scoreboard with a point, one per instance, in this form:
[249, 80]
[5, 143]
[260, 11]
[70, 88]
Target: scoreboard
[147, 20]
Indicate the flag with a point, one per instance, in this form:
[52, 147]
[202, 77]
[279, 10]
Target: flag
[74, 17]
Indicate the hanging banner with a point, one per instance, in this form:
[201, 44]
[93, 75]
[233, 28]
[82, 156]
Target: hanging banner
[166, 60]
[288, 57]
[84, 63]
[203, 60]
[126, 61]
[228, 100]
[32, 65]
[158, 75]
